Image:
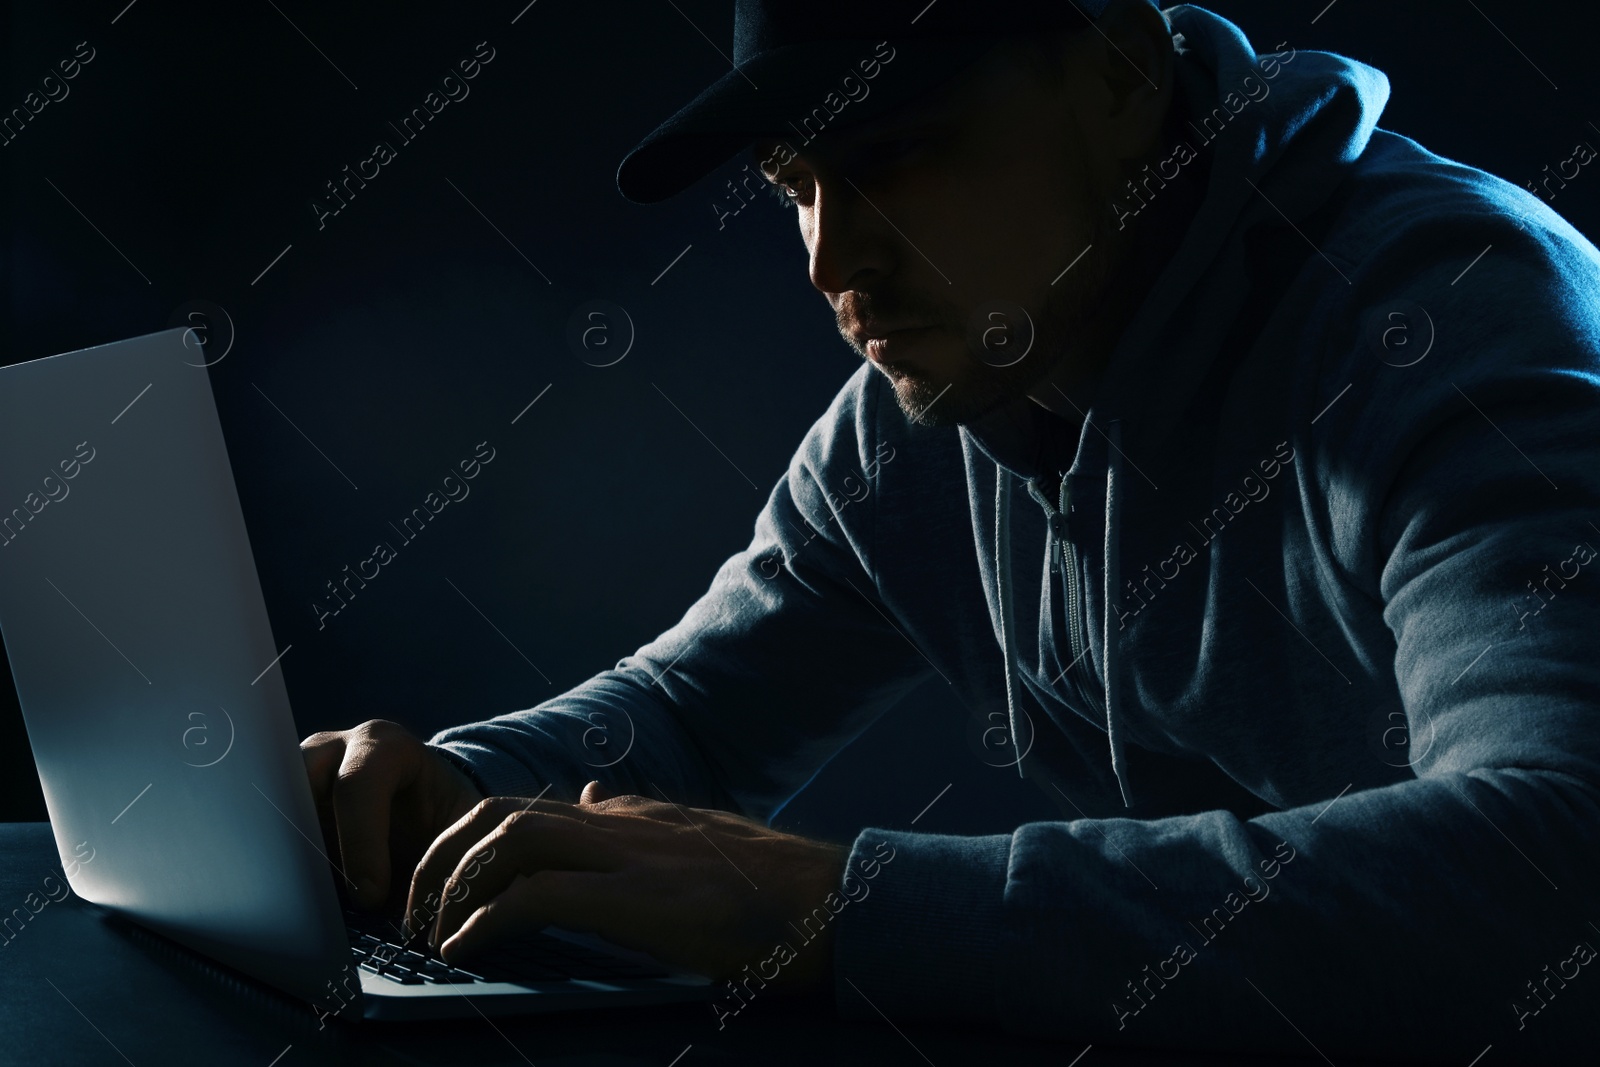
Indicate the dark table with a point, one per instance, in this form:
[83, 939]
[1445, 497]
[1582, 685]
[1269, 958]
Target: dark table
[80, 985]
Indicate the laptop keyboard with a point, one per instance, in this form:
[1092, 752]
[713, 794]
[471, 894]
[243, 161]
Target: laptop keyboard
[377, 949]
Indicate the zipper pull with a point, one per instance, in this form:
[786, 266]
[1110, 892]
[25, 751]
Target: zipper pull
[1058, 535]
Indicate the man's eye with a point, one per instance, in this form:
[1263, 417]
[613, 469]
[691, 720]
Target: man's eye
[789, 190]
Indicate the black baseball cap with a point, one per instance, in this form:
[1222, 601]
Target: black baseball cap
[799, 59]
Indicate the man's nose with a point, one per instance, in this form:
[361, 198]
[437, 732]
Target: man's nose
[846, 237]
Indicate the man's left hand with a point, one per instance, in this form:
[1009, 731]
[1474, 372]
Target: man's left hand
[703, 890]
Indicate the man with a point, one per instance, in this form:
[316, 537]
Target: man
[1306, 419]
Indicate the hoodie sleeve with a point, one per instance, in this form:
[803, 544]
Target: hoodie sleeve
[1457, 908]
[787, 657]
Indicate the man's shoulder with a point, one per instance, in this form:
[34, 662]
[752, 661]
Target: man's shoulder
[1469, 316]
[1441, 259]
[1406, 208]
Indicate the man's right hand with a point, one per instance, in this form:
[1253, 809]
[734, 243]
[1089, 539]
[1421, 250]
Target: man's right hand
[383, 796]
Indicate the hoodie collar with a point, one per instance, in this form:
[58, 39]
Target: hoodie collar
[1026, 438]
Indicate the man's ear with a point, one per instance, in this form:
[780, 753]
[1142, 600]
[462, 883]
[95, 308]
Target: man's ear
[1132, 58]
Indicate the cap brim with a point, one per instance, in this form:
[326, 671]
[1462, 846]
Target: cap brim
[776, 93]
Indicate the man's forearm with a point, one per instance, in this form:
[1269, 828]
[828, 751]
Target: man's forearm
[1416, 919]
[606, 729]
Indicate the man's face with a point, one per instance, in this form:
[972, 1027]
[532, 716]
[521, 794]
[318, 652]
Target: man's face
[940, 232]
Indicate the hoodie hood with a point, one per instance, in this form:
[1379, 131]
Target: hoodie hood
[1280, 130]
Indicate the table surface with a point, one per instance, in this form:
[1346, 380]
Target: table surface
[80, 985]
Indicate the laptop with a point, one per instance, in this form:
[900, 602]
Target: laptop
[153, 692]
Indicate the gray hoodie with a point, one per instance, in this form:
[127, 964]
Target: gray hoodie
[1315, 670]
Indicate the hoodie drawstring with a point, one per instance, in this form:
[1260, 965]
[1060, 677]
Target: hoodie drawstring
[1111, 654]
[1008, 621]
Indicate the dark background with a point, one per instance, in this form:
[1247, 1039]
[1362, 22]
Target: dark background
[415, 324]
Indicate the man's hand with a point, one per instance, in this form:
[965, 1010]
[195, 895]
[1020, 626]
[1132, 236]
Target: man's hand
[703, 890]
[383, 796]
